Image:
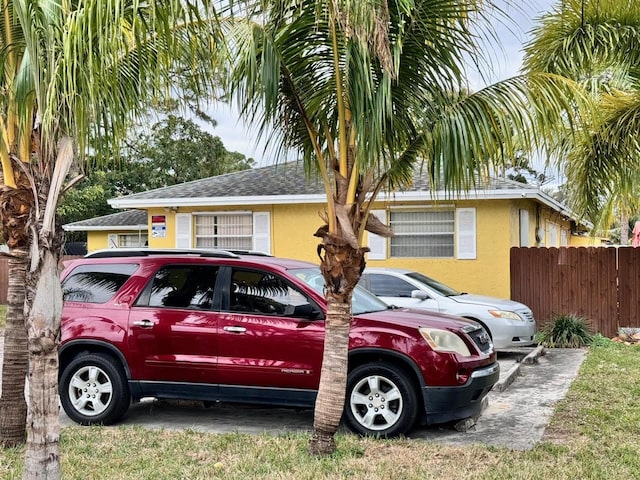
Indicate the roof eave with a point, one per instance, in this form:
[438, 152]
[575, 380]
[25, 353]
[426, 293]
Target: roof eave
[101, 228]
[495, 194]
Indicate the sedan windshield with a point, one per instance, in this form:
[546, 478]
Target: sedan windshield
[363, 300]
[441, 288]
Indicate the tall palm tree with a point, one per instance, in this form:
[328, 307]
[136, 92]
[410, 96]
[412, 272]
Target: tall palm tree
[595, 43]
[364, 91]
[75, 74]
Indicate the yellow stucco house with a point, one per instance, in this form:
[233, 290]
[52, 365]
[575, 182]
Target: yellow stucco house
[462, 240]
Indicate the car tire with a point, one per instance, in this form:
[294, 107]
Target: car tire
[94, 390]
[381, 401]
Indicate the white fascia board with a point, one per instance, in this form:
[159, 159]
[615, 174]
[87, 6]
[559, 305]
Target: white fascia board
[422, 196]
[103, 228]
[215, 201]
[507, 194]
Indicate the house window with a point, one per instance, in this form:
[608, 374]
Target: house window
[133, 240]
[225, 231]
[423, 233]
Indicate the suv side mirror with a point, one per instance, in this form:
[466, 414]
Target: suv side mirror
[422, 295]
[306, 310]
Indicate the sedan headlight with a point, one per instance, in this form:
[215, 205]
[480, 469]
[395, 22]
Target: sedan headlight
[444, 341]
[506, 314]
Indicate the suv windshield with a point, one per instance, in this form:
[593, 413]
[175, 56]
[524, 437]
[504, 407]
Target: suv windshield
[363, 300]
[437, 286]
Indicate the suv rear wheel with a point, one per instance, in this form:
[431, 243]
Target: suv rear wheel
[94, 390]
[381, 401]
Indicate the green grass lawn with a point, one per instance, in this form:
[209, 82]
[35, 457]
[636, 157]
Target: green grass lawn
[594, 434]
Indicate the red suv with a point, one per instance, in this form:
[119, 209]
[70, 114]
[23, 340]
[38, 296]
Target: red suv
[241, 327]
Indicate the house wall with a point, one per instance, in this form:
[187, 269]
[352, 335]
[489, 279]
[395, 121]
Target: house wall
[497, 230]
[488, 274]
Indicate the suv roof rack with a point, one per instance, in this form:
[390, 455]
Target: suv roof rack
[146, 252]
[250, 252]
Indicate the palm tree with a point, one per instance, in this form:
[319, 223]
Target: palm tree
[364, 91]
[75, 74]
[595, 43]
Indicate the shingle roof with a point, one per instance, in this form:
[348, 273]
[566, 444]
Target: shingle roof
[287, 179]
[126, 220]
[282, 179]
[287, 183]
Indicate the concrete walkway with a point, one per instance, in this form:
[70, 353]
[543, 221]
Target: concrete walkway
[514, 418]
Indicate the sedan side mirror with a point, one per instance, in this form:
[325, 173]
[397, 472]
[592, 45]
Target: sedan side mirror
[419, 294]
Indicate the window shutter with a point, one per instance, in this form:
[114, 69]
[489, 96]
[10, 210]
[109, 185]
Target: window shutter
[262, 232]
[466, 230]
[183, 230]
[378, 244]
[524, 228]
[112, 240]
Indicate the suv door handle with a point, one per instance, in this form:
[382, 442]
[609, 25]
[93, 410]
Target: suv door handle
[235, 329]
[144, 323]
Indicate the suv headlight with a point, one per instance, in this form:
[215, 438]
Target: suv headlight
[506, 314]
[444, 341]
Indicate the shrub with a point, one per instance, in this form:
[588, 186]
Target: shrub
[565, 331]
[599, 340]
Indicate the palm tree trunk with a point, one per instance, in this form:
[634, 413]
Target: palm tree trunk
[333, 378]
[341, 266]
[42, 458]
[624, 229]
[13, 406]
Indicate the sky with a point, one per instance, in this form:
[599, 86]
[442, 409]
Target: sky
[507, 59]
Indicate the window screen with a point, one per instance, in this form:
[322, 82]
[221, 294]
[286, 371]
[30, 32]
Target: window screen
[423, 234]
[225, 231]
[133, 240]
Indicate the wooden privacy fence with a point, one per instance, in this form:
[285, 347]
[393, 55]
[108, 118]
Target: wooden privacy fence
[4, 275]
[599, 283]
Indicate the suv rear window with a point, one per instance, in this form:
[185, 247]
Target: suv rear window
[96, 283]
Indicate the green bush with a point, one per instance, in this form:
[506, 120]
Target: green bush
[599, 340]
[565, 331]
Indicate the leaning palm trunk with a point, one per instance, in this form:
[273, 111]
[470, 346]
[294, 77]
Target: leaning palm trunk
[43, 432]
[43, 307]
[341, 266]
[624, 229]
[13, 406]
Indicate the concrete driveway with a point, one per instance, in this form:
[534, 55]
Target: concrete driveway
[515, 417]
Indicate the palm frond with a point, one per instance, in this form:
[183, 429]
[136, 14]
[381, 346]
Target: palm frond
[489, 127]
[581, 39]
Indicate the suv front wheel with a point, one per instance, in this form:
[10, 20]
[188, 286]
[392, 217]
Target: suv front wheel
[381, 401]
[94, 390]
